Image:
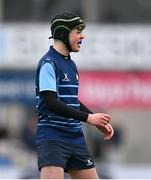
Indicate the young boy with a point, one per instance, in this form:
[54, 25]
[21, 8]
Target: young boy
[60, 141]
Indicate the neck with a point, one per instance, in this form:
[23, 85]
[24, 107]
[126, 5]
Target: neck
[61, 48]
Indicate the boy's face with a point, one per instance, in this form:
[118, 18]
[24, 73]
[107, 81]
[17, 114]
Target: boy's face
[75, 39]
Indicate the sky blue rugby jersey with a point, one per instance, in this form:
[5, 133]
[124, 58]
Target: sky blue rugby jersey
[56, 73]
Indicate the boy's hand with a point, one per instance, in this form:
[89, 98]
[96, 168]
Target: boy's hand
[107, 131]
[98, 119]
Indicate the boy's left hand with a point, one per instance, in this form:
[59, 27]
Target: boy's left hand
[107, 131]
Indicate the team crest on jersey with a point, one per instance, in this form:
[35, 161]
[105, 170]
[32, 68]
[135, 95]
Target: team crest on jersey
[77, 77]
[65, 77]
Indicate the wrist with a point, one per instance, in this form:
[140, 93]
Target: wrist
[89, 118]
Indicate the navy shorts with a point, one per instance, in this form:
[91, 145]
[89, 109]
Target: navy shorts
[67, 156]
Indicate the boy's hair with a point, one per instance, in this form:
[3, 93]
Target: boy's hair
[62, 24]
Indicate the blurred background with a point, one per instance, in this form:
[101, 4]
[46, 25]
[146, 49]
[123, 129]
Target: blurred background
[115, 78]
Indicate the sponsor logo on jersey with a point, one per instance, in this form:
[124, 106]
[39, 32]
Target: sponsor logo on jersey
[65, 77]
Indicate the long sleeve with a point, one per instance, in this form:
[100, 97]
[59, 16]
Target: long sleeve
[54, 105]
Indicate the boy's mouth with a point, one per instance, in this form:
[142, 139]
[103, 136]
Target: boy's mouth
[80, 43]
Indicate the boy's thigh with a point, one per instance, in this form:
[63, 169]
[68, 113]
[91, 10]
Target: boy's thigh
[52, 172]
[84, 174]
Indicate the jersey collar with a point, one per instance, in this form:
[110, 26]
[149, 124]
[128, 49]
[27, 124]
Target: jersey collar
[56, 52]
